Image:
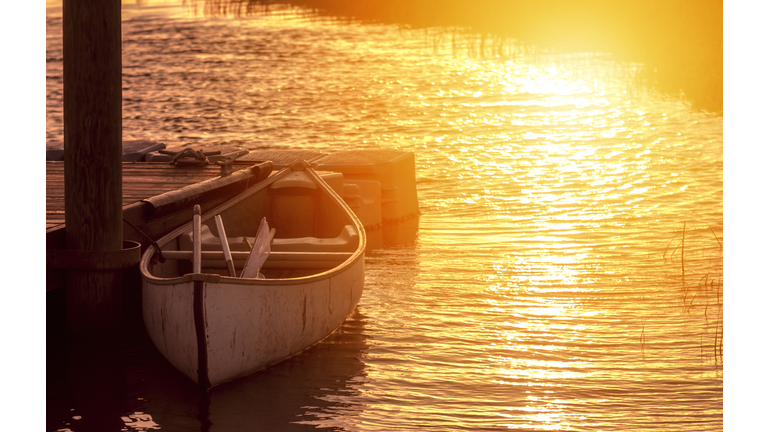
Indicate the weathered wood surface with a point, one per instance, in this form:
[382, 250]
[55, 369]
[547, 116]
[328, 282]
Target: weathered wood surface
[141, 180]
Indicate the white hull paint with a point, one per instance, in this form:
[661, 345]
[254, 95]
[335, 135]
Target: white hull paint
[215, 328]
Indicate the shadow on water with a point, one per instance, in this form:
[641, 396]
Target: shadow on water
[86, 383]
[399, 235]
[127, 385]
[300, 389]
[679, 43]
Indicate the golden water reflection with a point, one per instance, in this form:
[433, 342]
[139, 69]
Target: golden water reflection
[550, 239]
[541, 288]
[563, 187]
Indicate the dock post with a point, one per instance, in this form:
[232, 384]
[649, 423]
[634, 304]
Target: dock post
[92, 158]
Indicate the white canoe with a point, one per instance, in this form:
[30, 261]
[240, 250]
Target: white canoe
[214, 327]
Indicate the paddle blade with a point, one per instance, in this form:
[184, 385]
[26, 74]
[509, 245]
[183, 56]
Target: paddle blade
[259, 253]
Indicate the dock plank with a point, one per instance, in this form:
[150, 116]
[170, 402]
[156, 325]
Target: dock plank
[141, 180]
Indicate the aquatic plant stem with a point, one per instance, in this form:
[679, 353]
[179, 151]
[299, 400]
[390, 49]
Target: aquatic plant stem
[718, 240]
[719, 311]
[717, 324]
[642, 340]
[667, 248]
[682, 254]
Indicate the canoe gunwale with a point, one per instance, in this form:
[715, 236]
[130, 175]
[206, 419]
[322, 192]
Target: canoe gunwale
[340, 268]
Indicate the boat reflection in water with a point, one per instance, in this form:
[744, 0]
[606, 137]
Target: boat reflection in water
[299, 389]
[305, 388]
[132, 387]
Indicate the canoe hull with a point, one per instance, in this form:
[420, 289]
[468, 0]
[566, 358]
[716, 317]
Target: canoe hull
[247, 327]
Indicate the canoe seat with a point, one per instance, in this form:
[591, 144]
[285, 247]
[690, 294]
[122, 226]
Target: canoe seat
[346, 241]
[276, 260]
[210, 242]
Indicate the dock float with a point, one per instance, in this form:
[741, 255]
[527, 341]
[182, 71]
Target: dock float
[379, 185]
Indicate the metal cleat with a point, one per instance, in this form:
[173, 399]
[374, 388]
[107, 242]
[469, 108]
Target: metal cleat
[227, 160]
[189, 156]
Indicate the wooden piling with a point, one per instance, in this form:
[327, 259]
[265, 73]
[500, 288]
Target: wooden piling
[92, 150]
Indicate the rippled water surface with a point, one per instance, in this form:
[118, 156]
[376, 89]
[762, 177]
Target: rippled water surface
[565, 273]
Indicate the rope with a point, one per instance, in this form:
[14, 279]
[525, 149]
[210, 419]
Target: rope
[161, 259]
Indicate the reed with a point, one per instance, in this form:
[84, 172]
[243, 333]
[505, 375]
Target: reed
[717, 286]
[642, 340]
[718, 240]
[682, 255]
[706, 294]
[664, 255]
[706, 306]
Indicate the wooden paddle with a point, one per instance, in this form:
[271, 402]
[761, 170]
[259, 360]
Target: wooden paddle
[196, 247]
[225, 246]
[259, 252]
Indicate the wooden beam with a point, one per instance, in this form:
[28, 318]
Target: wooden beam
[93, 151]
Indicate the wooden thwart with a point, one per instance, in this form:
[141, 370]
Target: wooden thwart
[216, 259]
[275, 256]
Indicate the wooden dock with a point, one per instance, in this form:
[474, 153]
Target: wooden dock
[141, 180]
[157, 197]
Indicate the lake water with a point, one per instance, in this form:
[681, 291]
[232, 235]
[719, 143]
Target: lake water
[546, 285]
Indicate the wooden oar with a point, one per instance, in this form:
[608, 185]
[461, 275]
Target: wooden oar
[225, 246]
[196, 247]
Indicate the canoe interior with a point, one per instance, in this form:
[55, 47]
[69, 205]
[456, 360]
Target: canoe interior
[304, 218]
